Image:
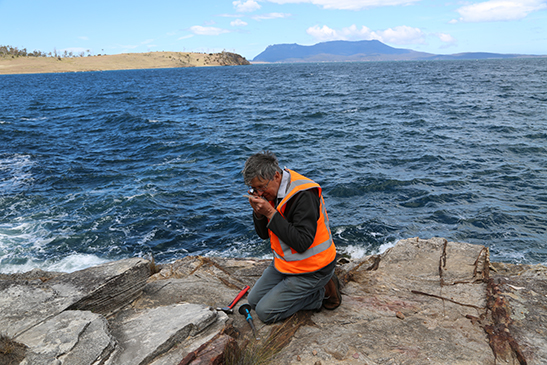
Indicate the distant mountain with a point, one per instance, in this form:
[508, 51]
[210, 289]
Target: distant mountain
[347, 51]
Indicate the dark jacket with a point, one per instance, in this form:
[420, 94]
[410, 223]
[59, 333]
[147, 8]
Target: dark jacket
[297, 229]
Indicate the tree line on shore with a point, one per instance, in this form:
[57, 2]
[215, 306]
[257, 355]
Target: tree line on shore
[7, 51]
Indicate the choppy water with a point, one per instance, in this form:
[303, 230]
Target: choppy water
[100, 166]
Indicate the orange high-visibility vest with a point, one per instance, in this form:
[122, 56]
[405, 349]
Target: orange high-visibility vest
[321, 252]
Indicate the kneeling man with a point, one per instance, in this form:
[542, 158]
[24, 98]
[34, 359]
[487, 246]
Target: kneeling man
[288, 208]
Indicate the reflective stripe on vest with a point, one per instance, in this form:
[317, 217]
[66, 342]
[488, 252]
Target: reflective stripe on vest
[321, 252]
[289, 256]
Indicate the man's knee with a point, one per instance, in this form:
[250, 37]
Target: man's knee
[266, 313]
[252, 299]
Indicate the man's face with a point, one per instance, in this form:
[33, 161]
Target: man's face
[266, 188]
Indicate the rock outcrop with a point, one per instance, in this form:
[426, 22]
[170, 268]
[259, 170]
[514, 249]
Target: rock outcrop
[422, 301]
[231, 59]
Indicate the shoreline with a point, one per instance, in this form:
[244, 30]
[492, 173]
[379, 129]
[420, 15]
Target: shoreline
[124, 61]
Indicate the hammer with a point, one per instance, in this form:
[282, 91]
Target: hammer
[229, 309]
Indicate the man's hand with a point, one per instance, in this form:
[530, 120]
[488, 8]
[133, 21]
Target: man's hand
[261, 207]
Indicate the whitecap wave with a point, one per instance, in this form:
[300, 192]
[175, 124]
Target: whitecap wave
[16, 169]
[67, 264]
[75, 262]
[356, 252]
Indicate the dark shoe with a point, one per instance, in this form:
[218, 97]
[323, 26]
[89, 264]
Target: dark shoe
[333, 298]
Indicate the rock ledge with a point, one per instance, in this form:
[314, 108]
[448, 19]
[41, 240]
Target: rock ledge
[422, 301]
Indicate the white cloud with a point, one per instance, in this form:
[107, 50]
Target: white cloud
[350, 33]
[348, 4]
[499, 10]
[238, 23]
[199, 30]
[324, 33]
[398, 35]
[402, 35]
[246, 6]
[271, 16]
[84, 38]
[446, 38]
[186, 37]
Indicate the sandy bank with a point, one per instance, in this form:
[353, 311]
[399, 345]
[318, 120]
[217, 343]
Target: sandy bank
[125, 61]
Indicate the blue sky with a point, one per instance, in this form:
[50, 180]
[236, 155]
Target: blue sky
[247, 27]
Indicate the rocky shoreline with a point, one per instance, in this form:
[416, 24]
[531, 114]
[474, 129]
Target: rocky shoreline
[422, 301]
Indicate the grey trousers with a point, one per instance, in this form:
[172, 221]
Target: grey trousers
[277, 296]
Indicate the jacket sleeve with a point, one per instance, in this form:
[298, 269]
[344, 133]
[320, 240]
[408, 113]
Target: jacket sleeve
[261, 226]
[297, 229]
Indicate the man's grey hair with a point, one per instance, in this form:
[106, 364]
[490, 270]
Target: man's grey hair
[263, 165]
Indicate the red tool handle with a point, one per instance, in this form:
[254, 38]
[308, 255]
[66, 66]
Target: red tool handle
[239, 296]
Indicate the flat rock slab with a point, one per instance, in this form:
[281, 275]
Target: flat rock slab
[408, 306]
[180, 351]
[208, 280]
[101, 289]
[144, 335]
[107, 287]
[72, 337]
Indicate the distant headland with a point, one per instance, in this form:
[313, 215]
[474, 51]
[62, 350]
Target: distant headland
[362, 51]
[31, 63]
